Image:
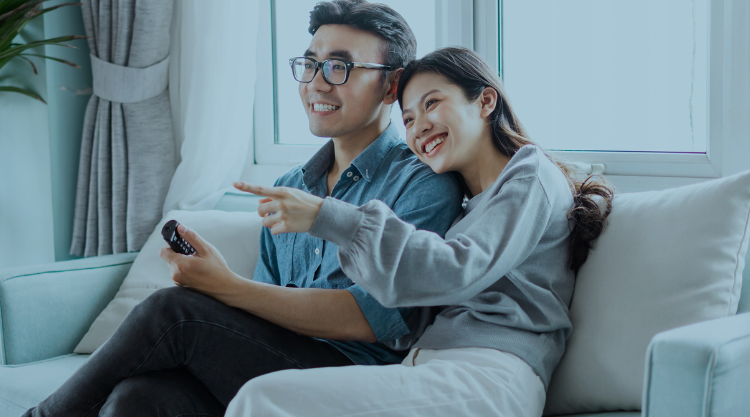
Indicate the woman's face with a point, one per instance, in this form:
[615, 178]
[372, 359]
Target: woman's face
[443, 129]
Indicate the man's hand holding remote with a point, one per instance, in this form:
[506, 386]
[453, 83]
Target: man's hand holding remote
[206, 271]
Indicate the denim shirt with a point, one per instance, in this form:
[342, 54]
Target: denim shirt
[388, 171]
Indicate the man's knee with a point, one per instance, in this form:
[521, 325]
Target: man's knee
[166, 299]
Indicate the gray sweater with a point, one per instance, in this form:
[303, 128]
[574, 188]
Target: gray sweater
[502, 268]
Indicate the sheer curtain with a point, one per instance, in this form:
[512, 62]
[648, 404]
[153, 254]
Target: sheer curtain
[212, 85]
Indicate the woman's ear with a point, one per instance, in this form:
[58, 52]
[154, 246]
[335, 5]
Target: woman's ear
[488, 100]
[392, 80]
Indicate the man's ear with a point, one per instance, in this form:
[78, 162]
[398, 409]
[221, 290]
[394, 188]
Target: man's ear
[488, 100]
[392, 80]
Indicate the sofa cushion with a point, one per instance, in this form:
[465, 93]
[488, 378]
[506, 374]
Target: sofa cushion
[25, 386]
[611, 414]
[667, 259]
[234, 234]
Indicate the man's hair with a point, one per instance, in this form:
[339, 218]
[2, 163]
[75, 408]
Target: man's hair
[379, 19]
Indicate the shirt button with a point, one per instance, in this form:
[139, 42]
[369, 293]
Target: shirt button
[317, 251]
[356, 178]
[349, 174]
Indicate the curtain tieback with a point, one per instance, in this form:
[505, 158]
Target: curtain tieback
[126, 84]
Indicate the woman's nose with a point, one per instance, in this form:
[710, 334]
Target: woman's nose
[421, 126]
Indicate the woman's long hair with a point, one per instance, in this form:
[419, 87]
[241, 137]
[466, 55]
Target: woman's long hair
[467, 70]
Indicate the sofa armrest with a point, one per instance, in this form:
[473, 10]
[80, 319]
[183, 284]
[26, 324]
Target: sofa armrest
[46, 309]
[699, 370]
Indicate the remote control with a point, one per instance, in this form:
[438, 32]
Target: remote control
[175, 241]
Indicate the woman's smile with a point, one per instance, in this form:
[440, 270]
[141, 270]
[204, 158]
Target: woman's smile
[431, 146]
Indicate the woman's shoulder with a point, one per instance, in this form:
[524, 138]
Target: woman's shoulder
[531, 163]
[528, 162]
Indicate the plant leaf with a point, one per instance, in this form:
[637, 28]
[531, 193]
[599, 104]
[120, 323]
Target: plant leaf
[54, 41]
[33, 67]
[20, 10]
[72, 64]
[23, 91]
[49, 9]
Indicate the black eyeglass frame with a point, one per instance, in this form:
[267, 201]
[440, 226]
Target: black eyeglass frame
[349, 65]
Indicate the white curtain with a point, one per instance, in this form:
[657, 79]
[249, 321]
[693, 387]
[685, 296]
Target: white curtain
[212, 86]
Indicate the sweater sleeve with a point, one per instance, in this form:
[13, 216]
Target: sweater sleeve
[402, 266]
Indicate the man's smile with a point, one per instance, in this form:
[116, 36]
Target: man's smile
[324, 107]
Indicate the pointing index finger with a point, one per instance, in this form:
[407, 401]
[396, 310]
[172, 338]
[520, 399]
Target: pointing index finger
[258, 190]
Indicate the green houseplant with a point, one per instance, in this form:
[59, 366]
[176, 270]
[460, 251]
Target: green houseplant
[14, 15]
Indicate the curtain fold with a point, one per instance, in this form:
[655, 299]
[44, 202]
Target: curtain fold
[212, 78]
[127, 154]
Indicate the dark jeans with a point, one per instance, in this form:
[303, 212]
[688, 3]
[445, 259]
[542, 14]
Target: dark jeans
[182, 353]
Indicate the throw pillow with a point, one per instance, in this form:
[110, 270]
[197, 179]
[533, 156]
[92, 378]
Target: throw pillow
[234, 234]
[667, 259]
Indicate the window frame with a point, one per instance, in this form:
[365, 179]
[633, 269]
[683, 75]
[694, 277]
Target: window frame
[477, 24]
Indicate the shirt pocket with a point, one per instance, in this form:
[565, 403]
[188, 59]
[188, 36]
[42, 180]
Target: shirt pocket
[284, 257]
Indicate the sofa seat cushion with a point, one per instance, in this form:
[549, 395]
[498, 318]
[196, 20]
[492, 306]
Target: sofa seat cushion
[25, 386]
[612, 414]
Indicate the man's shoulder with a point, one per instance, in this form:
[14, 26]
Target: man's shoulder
[292, 178]
[403, 164]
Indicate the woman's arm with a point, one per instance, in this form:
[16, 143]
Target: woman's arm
[402, 266]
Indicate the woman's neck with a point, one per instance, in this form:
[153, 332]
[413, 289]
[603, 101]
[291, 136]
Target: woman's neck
[484, 168]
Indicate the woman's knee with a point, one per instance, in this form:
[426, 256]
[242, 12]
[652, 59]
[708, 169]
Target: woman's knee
[261, 395]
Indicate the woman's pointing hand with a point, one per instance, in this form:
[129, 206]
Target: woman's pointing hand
[285, 209]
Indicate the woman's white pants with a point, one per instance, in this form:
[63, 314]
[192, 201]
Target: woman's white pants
[450, 382]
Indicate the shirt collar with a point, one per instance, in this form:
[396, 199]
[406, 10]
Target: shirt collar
[369, 160]
[366, 162]
[318, 165]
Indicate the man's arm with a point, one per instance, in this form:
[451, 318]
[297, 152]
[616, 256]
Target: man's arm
[321, 313]
[315, 312]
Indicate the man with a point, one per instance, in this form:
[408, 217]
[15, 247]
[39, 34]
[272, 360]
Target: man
[189, 351]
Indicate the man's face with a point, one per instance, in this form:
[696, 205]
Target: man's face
[340, 110]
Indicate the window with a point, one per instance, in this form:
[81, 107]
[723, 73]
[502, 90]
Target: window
[282, 133]
[654, 92]
[609, 76]
[624, 84]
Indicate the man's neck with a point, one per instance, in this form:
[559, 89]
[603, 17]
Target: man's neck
[347, 148]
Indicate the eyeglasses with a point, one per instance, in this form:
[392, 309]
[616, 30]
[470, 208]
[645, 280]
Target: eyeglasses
[335, 71]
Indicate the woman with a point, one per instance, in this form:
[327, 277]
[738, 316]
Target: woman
[505, 269]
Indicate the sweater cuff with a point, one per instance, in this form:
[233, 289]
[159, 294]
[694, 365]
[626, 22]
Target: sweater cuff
[337, 222]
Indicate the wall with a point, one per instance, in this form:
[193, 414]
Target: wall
[39, 145]
[68, 93]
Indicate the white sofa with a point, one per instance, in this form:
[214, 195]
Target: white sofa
[659, 328]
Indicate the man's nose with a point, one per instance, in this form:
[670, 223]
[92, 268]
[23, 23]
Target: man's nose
[319, 83]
